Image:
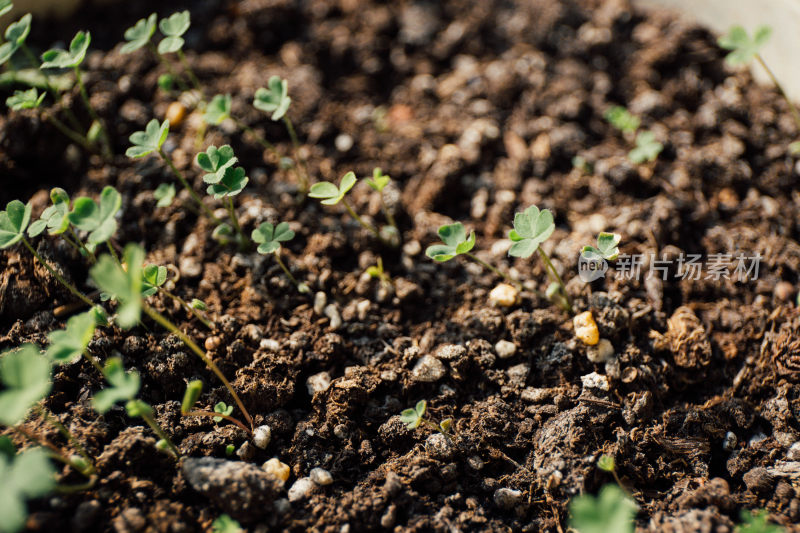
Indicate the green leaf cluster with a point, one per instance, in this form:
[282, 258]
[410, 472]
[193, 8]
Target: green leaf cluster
[139, 34]
[218, 109]
[67, 345]
[150, 140]
[455, 240]
[124, 285]
[274, 98]
[165, 194]
[269, 237]
[173, 27]
[531, 228]
[15, 34]
[412, 417]
[622, 119]
[25, 374]
[757, 522]
[14, 221]
[223, 177]
[607, 246]
[23, 477]
[55, 217]
[379, 180]
[71, 58]
[329, 193]
[647, 148]
[743, 47]
[153, 277]
[611, 511]
[97, 219]
[223, 409]
[124, 386]
[30, 99]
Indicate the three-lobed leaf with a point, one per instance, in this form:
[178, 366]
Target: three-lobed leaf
[13, 223]
[607, 246]
[647, 148]
[218, 109]
[531, 228]
[124, 386]
[379, 180]
[165, 194]
[329, 193]
[223, 409]
[30, 99]
[456, 242]
[412, 417]
[622, 119]
[216, 162]
[54, 218]
[274, 98]
[611, 510]
[123, 285]
[139, 34]
[173, 27]
[71, 58]
[97, 219]
[231, 184]
[743, 48]
[18, 31]
[66, 345]
[150, 140]
[25, 476]
[153, 277]
[269, 237]
[25, 373]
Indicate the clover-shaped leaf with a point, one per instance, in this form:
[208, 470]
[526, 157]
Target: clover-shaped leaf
[231, 184]
[139, 34]
[226, 524]
[30, 99]
[164, 193]
[412, 418]
[18, 31]
[531, 228]
[66, 345]
[379, 180]
[223, 233]
[54, 217]
[269, 237]
[98, 220]
[606, 463]
[647, 148]
[218, 109]
[68, 59]
[274, 99]
[150, 140]
[223, 409]
[611, 510]
[25, 476]
[622, 119]
[25, 373]
[13, 223]
[124, 386]
[743, 48]
[153, 277]
[329, 192]
[455, 240]
[5, 6]
[123, 285]
[607, 246]
[173, 28]
[216, 161]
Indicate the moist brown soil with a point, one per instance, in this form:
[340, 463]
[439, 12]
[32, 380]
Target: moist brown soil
[476, 110]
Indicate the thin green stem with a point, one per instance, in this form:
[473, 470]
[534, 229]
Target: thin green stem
[503, 275]
[556, 276]
[72, 243]
[388, 214]
[304, 175]
[113, 253]
[95, 363]
[178, 174]
[161, 433]
[186, 306]
[232, 213]
[69, 133]
[209, 414]
[178, 79]
[372, 229]
[259, 139]
[56, 275]
[164, 322]
[78, 240]
[53, 421]
[286, 270]
[771, 75]
[189, 71]
[92, 113]
[55, 452]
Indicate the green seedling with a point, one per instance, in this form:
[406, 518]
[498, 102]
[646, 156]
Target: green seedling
[164, 194]
[269, 239]
[757, 522]
[23, 477]
[153, 277]
[5, 6]
[531, 228]
[415, 416]
[173, 28]
[25, 374]
[607, 247]
[139, 34]
[150, 141]
[67, 345]
[610, 511]
[226, 524]
[377, 271]
[229, 449]
[456, 242]
[743, 49]
[200, 305]
[225, 180]
[378, 183]
[647, 148]
[15, 35]
[125, 285]
[218, 110]
[14, 221]
[30, 99]
[275, 99]
[606, 463]
[55, 219]
[622, 119]
[97, 219]
[222, 411]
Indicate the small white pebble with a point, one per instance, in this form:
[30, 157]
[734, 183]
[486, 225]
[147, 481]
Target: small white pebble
[428, 369]
[320, 476]
[261, 436]
[595, 381]
[320, 300]
[300, 489]
[318, 383]
[507, 498]
[270, 345]
[332, 312]
[504, 295]
[277, 469]
[343, 142]
[602, 352]
[362, 308]
[505, 349]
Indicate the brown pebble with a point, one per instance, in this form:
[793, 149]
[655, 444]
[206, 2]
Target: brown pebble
[212, 343]
[783, 291]
[176, 113]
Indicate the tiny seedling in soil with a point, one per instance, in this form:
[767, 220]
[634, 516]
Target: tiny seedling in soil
[531, 228]
[647, 148]
[622, 119]
[226, 524]
[607, 247]
[23, 476]
[97, 219]
[377, 271]
[225, 180]
[55, 218]
[456, 242]
[743, 49]
[222, 411]
[69, 344]
[164, 194]
[269, 239]
[219, 109]
[611, 510]
[173, 28]
[378, 183]
[757, 522]
[415, 416]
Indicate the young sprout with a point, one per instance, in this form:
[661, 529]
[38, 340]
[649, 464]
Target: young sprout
[173, 28]
[226, 524]
[97, 220]
[611, 510]
[531, 228]
[124, 386]
[744, 49]
[622, 119]
[13, 223]
[72, 59]
[275, 99]
[219, 110]
[224, 179]
[24, 476]
[30, 99]
[151, 140]
[415, 416]
[757, 522]
[607, 248]
[139, 34]
[269, 239]
[126, 286]
[25, 374]
[647, 148]
[69, 344]
[221, 411]
[606, 463]
[165, 194]
[377, 272]
[378, 183]
[15, 34]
